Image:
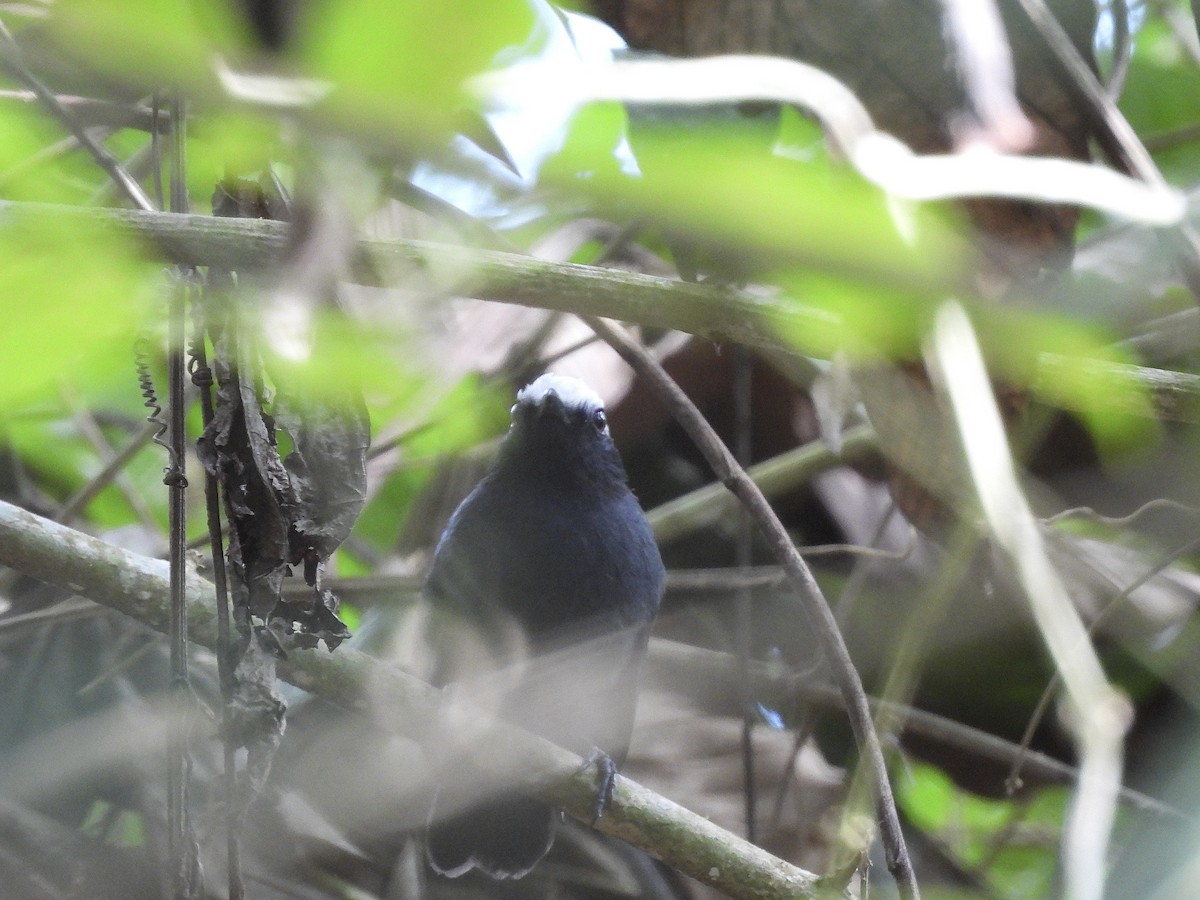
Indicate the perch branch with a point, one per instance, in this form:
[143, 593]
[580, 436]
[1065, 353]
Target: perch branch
[138, 587]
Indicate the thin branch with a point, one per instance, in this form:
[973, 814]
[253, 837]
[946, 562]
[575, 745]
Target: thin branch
[1126, 520]
[702, 673]
[138, 586]
[1169, 140]
[10, 57]
[1122, 49]
[819, 614]
[91, 112]
[113, 466]
[711, 504]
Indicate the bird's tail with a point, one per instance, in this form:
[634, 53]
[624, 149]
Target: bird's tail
[504, 837]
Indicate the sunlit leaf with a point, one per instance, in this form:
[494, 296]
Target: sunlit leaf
[401, 65]
[152, 43]
[1014, 840]
[468, 414]
[32, 164]
[74, 301]
[723, 189]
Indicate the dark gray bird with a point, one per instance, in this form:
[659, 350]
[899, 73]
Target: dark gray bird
[548, 572]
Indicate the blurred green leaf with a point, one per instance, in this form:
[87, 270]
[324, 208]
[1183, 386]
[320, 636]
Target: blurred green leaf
[229, 144]
[473, 411]
[1162, 97]
[1015, 842]
[1161, 92]
[590, 145]
[74, 300]
[747, 209]
[1083, 363]
[861, 318]
[29, 171]
[402, 65]
[470, 413]
[149, 43]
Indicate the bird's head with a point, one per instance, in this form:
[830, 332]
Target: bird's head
[559, 424]
[567, 399]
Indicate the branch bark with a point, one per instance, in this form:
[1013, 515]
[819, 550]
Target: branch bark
[138, 587]
[716, 313]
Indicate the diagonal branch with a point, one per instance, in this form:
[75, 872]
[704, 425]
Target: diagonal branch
[10, 58]
[138, 587]
[820, 616]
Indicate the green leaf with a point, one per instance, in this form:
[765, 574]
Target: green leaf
[150, 43]
[29, 170]
[74, 299]
[1016, 842]
[1161, 92]
[719, 186]
[590, 146]
[470, 413]
[402, 65]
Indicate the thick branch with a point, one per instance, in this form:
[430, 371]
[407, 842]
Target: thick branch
[716, 313]
[137, 586]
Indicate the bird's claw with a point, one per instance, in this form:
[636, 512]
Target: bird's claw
[606, 772]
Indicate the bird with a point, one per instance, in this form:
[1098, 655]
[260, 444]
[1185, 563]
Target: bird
[548, 571]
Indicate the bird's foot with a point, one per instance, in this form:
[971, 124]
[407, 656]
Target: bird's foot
[606, 773]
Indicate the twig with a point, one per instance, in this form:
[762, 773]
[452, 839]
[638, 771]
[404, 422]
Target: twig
[1169, 140]
[743, 599]
[1183, 27]
[705, 672]
[202, 378]
[10, 56]
[1126, 520]
[112, 467]
[184, 869]
[1122, 49]
[91, 112]
[138, 586]
[819, 614]
[67, 610]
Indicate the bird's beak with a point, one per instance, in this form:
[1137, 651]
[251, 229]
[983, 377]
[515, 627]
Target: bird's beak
[552, 404]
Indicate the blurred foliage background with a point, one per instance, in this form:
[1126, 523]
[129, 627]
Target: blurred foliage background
[790, 296]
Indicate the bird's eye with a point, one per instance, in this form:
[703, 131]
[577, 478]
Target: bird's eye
[600, 420]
